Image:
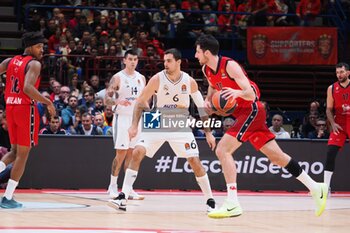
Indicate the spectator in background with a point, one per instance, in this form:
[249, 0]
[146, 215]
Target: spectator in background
[309, 124]
[102, 93]
[43, 112]
[108, 116]
[277, 129]
[112, 21]
[81, 27]
[56, 90]
[89, 100]
[258, 10]
[161, 23]
[98, 121]
[136, 48]
[54, 41]
[68, 112]
[151, 52]
[321, 131]
[210, 20]
[77, 63]
[53, 127]
[74, 21]
[194, 21]
[227, 123]
[79, 111]
[87, 127]
[99, 106]
[95, 83]
[126, 42]
[223, 3]
[74, 85]
[50, 29]
[225, 21]
[175, 19]
[307, 10]
[277, 7]
[62, 102]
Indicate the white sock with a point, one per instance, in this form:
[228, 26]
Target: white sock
[114, 180]
[129, 179]
[327, 176]
[204, 184]
[10, 189]
[308, 181]
[2, 166]
[232, 192]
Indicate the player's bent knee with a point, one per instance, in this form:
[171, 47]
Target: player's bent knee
[138, 153]
[220, 152]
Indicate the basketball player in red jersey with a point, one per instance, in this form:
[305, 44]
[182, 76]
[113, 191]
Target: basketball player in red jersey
[21, 94]
[225, 74]
[338, 114]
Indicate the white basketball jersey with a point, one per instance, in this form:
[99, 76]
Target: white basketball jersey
[130, 87]
[174, 96]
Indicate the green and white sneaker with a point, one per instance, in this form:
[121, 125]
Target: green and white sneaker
[10, 204]
[227, 210]
[320, 198]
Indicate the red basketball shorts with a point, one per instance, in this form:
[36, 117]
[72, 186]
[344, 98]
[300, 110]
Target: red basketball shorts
[250, 125]
[339, 139]
[23, 124]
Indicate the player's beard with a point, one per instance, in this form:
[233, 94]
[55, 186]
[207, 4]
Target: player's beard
[343, 79]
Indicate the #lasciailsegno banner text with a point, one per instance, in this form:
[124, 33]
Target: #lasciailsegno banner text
[292, 45]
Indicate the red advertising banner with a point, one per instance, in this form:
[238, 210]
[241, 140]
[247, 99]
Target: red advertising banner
[292, 45]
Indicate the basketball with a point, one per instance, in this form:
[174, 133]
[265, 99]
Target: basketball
[222, 106]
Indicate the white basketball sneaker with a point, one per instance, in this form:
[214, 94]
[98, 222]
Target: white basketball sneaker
[135, 196]
[113, 191]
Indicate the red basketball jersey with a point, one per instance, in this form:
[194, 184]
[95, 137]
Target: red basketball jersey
[15, 76]
[341, 96]
[220, 79]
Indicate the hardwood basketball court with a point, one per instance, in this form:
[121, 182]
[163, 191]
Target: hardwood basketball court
[171, 211]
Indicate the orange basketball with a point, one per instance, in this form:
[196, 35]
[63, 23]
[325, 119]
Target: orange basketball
[221, 105]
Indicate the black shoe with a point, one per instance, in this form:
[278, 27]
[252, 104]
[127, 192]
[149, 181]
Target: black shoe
[210, 205]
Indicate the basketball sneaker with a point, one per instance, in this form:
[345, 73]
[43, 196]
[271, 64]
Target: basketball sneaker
[135, 196]
[210, 205]
[320, 198]
[10, 204]
[118, 203]
[113, 191]
[228, 209]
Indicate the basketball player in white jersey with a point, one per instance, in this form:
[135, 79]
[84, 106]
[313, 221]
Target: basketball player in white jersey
[173, 89]
[125, 87]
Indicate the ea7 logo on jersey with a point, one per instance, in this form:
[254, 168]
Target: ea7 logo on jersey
[152, 120]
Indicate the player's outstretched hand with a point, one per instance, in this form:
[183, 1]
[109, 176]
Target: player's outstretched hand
[210, 140]
[132, 132]
[51, 108]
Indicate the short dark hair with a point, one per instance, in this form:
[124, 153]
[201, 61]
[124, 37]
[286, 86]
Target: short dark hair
[55, 117]
[32, 38]
[72, 96]
[341, 64]
[175, 52]
[131, 52]
[208, 42]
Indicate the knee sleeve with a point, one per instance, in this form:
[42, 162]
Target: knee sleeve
[331, 155]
